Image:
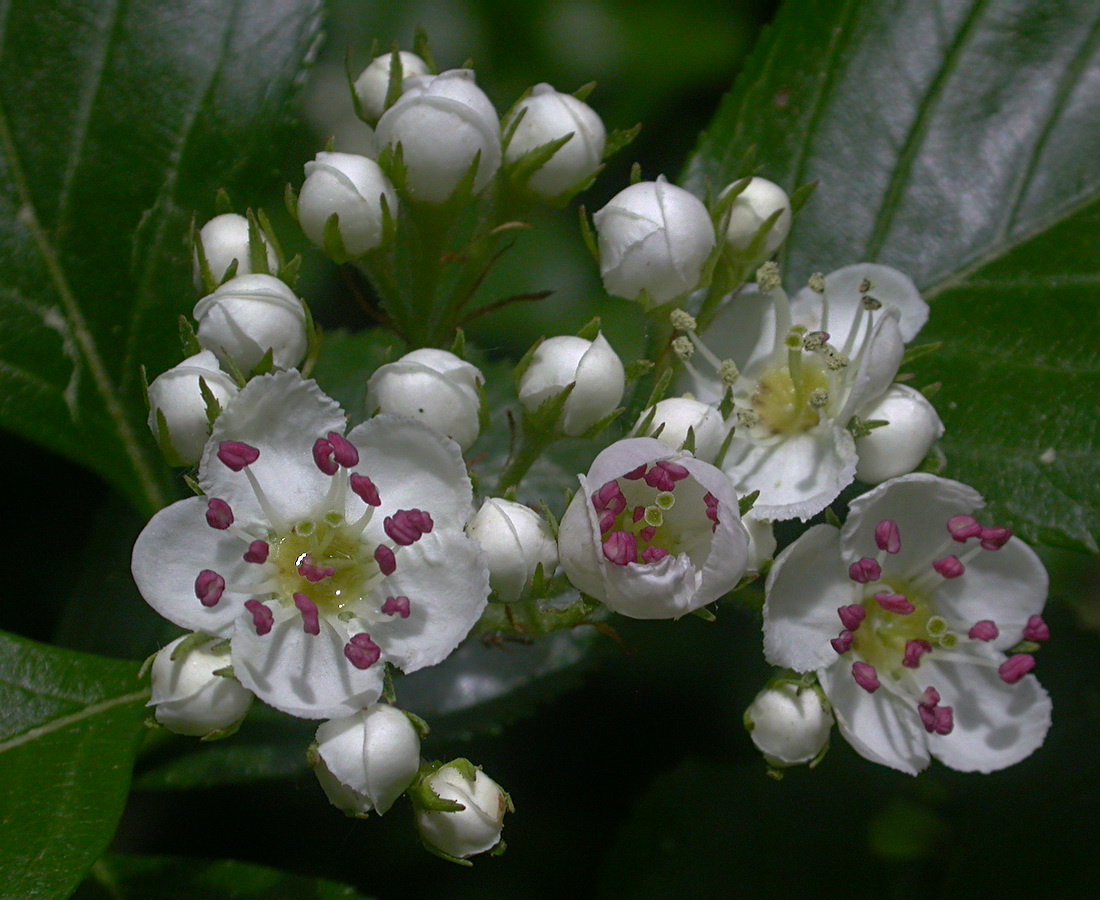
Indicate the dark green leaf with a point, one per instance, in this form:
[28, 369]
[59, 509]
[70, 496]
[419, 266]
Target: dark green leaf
[127, 877]
[956, 142]
[346, 363]
[117, 120]
[69, 727]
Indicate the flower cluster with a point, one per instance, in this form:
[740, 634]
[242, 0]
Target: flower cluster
[320, 559]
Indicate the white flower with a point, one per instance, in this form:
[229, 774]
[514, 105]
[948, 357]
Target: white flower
[592, 367]
[350, 187]
[443, 123]
[653, 237]
[674, 416]
[225, 239]
[789, 723]
[476, 827]
[188, 698]
[653, 533]
[319, 568]
[905, 614]
[366, 760]
[177, 396]
[516, 541]
[898, 447]
[434, 386]
[751, 208]
[373, 82]
[549, 115]
[800, 370]
[249, 315]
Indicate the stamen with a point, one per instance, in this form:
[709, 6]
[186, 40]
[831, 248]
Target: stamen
[343, 450]
[209, 587]
[218, 514]
[362, 652]
[396, 606]
[311, 623]
[851, 617]
[387, 562]
[888, 536]
[949, 567]
[364, 489]
[985, 630]
[610, 497]
[995, 538]
[865, 571]
[407, 526]
[712, 509]
[638, 514]
[866, 676]
[1016, 667]
[1036, 629]
[646, 534]
[312, 572]
[257, 552]
[663, 475]
[262, 617]
[895, 603]
[665, 501]
[654, 518]
[236, 455]
[653, 554]
[935, 718]
[914, 650]
[963, 528]
[843, 643]
[323, 456]
[621, 547]
[607, 520]
[682, 320]
[635, 474]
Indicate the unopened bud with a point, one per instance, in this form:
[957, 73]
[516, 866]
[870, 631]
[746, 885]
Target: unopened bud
[188, 698]
[225, 240]
[594, 368]
[178, 397]
[898, 447]
[352, 188]
[789, 724]
[760, 200]
[373, 83]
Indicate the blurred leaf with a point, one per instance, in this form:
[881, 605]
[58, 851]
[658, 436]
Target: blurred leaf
[347, 362]
[956, 142]
[116, 122]
[126, 877]
[69, 726]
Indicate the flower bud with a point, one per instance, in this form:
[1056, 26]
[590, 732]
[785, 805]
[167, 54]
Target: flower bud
[592, 366]
[188, 698]
[177, 395]
[373, 82]
[225, 238]
[443, 123]
[249, 315]
[434, 386]
[350, 187]
[548, 116]
[900, 446]
[789, 724]
[476, 827]
[653, 237]
[674, 416]
[366, 760]
[749, 211]
[516, 539]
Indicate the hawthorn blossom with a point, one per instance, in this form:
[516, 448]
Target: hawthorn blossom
[653, 533]
[906, 614]
[320, 556]
[800, 370]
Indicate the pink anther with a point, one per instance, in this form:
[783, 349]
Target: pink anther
[1016, 667]
[888, 536]
[257, 552]
[387, 562]
[364, 489]
[851, 617]
[949, 567]
[1036, 629]
[235, 455]
[209, 587]
[963, 528]
[895, 603]
[914, 650]
[324, 456]
[866, 676]
[362, 652]
[311, 623]
[343, 450]
[397, 606]
[985, 630]
[218, 514]
[865, 571]
[621, 547]
[262, 617]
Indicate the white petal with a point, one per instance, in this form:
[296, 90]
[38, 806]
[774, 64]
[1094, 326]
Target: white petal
[889, 286]
[304, 675]
[579, 544]
[413, 467]
[806, 585]
[1007, 585]
[171, 551]
[281, 415]
[446, 578]
[996, 724]
[798, 476]
[877, 368]
[662, 590]
[920, 503]
[880, 726]
[743, 330]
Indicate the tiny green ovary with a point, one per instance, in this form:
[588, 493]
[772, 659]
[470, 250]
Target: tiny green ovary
[881, 638]
[330, 546]
[782, 405]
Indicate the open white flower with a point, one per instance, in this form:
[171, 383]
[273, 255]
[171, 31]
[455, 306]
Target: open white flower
[801, 370]
[321, 557]
[653, 533]
[905, 614]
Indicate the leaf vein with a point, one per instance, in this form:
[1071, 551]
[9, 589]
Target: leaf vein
[95, 709]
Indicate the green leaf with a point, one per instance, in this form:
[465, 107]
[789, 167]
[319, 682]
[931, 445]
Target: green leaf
[128, 877]
[347, 362]
[117, 121]
[955, 142]
[69, 727]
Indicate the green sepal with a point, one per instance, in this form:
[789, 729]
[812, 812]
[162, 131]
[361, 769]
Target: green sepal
[191, 642]
[265, 365]
[422, 727]
[689, 441]
[164, 441]
[423, 797]
[660, 388]
[193, 486]
[512, 120]
[225, 672]
[726, 405]
[213, 407]
[801, 195]
[520, 171]
[525, 361]
[934, 463]
[291, 200]
[257, 249]
[587, 235]
[724, 449]
[222, 203]
[421, 49]
[189, 341]
[209, 283]
[619, 139]
[831, 517]
[222, 733]
[919, 350]
[1025, 647]
[705, 614]
[350, 77]
[333, 242]
[746, 503]
[722, 205]
[584, 91]
[314, 337]
[288, 273]
[388, 695]
[635, 173]
[393, 85]
[930, 390]
[590, 331]
[638, 368]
